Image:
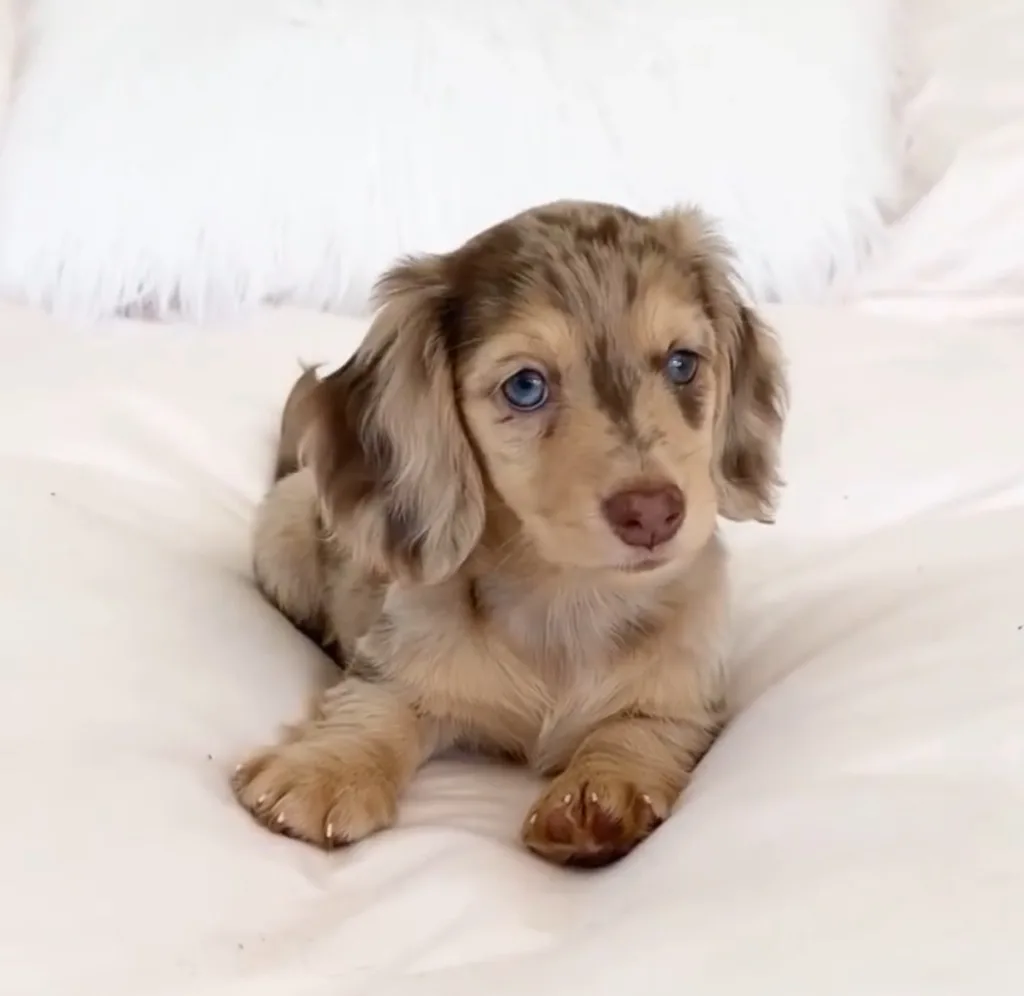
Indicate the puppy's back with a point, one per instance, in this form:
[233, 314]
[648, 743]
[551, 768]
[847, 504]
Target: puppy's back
[306, 573]
[294, 420]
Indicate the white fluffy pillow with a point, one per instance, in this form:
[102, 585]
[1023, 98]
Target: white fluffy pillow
[196, 155]
[8, 50]
[960, 245]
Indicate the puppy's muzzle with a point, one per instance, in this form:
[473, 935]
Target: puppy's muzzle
[645, 517]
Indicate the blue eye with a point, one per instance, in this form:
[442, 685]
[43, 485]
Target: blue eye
[526, 390]
[681, 366]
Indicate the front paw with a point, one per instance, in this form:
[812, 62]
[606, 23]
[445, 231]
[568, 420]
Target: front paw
[592, 819]
[301, 790]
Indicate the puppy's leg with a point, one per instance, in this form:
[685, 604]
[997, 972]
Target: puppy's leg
[288, 550]
[338, 777]
[619, 786]
[288, 555]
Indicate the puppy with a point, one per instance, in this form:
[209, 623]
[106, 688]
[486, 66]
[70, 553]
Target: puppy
[501, 513]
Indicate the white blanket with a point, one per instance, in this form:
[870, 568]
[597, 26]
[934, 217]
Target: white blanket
[859, 828]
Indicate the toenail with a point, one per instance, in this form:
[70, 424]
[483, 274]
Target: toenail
[262, 799]
[593, 797]
[329, 831]
[533, 818]
[567, 799]
[280, 818]
[646, 798]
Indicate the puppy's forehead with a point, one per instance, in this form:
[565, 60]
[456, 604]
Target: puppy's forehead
[608, 272]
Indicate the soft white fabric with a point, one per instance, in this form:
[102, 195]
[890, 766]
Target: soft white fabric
[9, 24]
[204, 154]
[960, 244]
[859, 829]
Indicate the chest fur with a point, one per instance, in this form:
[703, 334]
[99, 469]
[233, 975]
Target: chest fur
[525, 672]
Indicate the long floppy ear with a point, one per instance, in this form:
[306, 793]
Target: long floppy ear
[752, 391]
[395, 470]
[751, 418]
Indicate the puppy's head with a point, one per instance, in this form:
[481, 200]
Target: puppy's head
[586, 373]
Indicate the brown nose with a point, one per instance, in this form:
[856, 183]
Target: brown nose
[645, 516]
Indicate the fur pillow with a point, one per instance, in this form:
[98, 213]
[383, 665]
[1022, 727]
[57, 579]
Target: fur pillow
[957, 247]
[199, 155]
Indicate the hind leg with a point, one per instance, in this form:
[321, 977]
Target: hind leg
[288, 554]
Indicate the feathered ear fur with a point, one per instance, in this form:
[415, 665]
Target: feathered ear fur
[753, 392]
[394, 467]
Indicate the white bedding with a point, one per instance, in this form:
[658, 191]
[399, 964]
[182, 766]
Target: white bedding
[193, 156]
[858, 829]
[957, 246]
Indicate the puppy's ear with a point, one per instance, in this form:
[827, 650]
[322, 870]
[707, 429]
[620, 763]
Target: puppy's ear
[749, 431]
[752, 387]
[395, 470]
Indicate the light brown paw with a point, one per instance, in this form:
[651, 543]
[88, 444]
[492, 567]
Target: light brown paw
[592, 821]
[300, 791]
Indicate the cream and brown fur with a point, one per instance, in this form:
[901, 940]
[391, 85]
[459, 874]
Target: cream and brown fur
[459, 555]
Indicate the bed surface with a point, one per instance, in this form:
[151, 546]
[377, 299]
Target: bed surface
[857, 829]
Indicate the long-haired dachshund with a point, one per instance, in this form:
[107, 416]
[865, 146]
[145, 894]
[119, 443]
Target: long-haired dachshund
[501, 515]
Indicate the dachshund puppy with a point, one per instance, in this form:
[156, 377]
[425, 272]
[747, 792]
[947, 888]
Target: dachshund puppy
[501, 514]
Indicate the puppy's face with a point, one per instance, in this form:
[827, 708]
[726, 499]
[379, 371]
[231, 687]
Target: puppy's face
[592, 400]
[588, 373]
